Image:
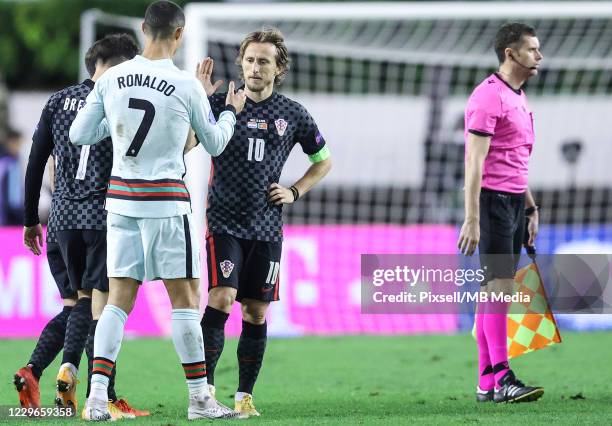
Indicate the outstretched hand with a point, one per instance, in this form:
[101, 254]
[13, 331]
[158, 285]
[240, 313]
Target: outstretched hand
[204, 74]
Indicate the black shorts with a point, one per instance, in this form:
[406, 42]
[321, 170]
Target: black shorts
[84, 252]
[59, 271]
[252, 267]
[502, 228]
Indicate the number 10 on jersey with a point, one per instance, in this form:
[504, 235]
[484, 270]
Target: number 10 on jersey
[256, 149]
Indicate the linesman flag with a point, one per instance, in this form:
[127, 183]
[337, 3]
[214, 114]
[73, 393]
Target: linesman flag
[531, 325]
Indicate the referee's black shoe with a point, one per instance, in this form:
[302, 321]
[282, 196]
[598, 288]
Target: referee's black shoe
[513, 390]
[483, 395]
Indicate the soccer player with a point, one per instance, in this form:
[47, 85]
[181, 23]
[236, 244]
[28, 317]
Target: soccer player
[245, 200]
[499, 137]
[76, 238]
[150, 106]
[51, 340]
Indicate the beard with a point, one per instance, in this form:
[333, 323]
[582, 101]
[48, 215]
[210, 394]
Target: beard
[254, 88]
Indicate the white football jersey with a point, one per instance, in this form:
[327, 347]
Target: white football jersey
[149, 107]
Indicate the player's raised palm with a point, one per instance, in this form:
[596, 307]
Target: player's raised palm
[204, 74]
[235, 98]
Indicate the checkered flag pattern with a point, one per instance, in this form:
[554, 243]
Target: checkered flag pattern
[531, 326]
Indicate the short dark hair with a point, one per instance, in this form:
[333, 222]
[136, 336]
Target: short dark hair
[162, 18]
[112, 49]
[511, 35]
[267, 35]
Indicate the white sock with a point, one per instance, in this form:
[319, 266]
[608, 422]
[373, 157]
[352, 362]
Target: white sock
[107, 342]
[239, 395]
[98, 391]
[189, 345]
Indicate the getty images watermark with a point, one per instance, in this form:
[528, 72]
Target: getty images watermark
[404, 276]
[433, 284]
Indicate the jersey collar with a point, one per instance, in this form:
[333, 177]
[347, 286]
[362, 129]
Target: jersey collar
[157, 62]
[518, 92]
[264, 102]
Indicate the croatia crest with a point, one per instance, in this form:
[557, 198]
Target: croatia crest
[281, 126]
[226, 268]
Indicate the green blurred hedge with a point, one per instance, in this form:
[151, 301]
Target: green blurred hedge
[39, 40]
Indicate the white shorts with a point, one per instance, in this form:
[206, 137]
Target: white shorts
[147, 249]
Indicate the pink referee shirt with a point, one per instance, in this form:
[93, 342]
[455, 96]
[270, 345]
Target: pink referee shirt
[495, 109]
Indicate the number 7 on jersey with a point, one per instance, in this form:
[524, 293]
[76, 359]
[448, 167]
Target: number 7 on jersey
[145, 124]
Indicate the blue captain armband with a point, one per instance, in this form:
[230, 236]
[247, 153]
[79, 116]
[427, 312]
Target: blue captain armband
[322, 155]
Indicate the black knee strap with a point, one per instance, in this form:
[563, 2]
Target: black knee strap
[254, 331]
[214, 318]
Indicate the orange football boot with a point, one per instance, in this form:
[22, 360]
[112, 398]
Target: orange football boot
[126, 408]
[27, 386]
[66, 387]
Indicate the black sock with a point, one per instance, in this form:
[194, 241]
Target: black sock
[76, 331]
[251, 349]
[213, 330]
[89, 350]
[50, 342]
[112, 394]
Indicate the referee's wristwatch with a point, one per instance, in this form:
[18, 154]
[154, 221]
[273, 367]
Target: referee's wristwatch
[531, 210]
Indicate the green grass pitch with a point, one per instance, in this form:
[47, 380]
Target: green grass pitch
[357, 380]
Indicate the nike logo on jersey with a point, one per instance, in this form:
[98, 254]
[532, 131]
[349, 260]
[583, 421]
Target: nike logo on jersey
[130, 80]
